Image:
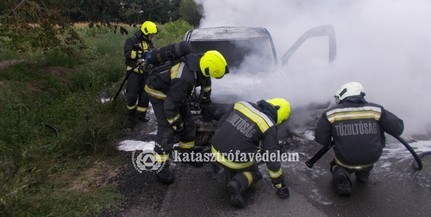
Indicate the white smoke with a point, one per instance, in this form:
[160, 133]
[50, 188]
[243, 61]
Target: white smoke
[384, 44]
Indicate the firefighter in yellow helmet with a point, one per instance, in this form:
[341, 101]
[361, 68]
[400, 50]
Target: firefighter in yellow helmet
[135, 50]
[169, 91]
[242, 131]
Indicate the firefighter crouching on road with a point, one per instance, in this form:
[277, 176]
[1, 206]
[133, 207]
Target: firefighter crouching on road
[356, 128]
[135, 50]
[169, 91]
[242, 130]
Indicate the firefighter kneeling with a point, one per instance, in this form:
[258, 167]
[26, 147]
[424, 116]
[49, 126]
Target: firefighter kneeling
[242, 131]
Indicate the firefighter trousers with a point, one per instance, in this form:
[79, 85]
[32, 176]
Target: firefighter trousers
[137, 98]
[165, 137]
[245, 177]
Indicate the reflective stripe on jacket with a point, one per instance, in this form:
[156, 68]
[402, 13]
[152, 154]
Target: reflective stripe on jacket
[176, 85]
[357, 130]
[132, 53]
[242, 131]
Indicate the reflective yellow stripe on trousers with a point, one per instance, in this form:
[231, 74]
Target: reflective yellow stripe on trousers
[358, 167]
[226, 162]
[155, 93]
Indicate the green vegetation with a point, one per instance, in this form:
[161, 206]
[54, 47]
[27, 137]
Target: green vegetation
[47, 24]
[56, 137]
[171, 32]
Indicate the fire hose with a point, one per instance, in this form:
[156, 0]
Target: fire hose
[310, 163]
[419, 165]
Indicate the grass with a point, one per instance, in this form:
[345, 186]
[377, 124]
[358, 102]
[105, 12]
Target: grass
[56, 138]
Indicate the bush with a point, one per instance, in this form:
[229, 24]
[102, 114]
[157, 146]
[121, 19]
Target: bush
[172, 32]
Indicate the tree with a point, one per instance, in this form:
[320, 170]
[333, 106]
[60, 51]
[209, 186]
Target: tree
[31, 24]
[190, 12]
[160, 11]
[48, 23]
[94, 10]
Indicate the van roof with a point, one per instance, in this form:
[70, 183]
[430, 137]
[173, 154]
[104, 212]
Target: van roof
[226, 33]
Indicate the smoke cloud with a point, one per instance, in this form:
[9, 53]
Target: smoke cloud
[385, 45]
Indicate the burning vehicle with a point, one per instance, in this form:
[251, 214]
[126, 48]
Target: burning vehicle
[243, 47]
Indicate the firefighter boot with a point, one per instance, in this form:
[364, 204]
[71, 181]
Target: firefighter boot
[165, 176]
[215, 168]
[234, 190]
[132, 117]
[142, 116]
[362, 176]
[257, 176]
[192, 161]
[343, 185]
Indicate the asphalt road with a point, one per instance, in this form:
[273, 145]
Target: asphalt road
[395, 189]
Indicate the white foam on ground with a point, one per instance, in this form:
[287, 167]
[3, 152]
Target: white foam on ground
[398, 151]
[320, 198]
[133, 145]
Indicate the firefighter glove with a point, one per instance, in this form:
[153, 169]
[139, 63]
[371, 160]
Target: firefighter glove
[178, 124]
[143, 64]
[142, 61]
[137, 47]
[205, 97]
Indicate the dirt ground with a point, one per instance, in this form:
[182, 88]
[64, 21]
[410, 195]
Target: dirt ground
[7, 63]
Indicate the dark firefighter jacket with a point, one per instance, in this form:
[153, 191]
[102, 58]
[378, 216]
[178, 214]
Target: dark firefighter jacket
[176, 84]
[242, 131]
[136, 47]
[357, 129]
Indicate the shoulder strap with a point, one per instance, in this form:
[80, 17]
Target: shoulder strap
[165, 66]
[192, 61]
